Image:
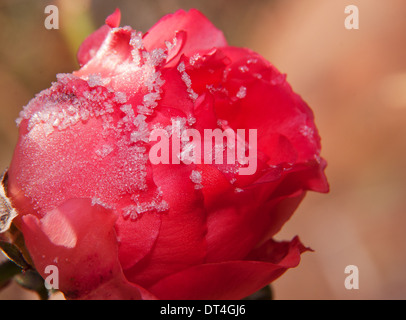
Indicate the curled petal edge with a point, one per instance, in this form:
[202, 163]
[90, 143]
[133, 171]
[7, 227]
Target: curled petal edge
[232, 280]
[80, 234]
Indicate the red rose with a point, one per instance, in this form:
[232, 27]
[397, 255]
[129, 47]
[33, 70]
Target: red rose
[116, 225]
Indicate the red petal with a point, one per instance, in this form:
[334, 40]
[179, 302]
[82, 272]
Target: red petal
[273, 251]
[181, 242]
[232, 279]
[285, 124]
[137, 238]
[269, 105]
[114, 57]
[79, 239]
[280, 211]
[237, 222]
[113, 20]
[201, 33]
[119, 289]
[175, 100]
[206, 70]
[175, 51]
[91, 45]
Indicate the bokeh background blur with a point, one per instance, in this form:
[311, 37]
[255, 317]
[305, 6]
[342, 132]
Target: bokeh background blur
[354, 80]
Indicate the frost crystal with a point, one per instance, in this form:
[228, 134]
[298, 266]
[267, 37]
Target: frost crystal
[187, 150]
[179, 125]
[193, 59]
[252, 61]
[156, 204]
[170, 45]
[96, 201]
[242, 92]
[188, 82]
[196, 177]
[104, 151]
[95, 80]
[67, 102]
[306, 131]
[243, 69]
[142, 133]
[136, 43]
[191, 120]
[120, 97]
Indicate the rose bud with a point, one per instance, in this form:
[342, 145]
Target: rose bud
[114, 188]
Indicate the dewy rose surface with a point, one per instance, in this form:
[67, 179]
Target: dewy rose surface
[118, 226]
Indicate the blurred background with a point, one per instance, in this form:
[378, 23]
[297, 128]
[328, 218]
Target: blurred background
[354, 80]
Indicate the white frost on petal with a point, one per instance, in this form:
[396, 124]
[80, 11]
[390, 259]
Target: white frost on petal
[96, 201]
[196, 177]
[135, 210]
[238, 190]
[104, 151]
[95, 80]
[188, 82]
[93, 100]
[193, 59]
[120, 97]
[242, 92]
[243, 69]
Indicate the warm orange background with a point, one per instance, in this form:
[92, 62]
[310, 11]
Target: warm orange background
[354, 80]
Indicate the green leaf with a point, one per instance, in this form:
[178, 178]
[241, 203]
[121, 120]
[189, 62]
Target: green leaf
[263, 294]
[30, 279]
[8, 269]
[14, 254]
